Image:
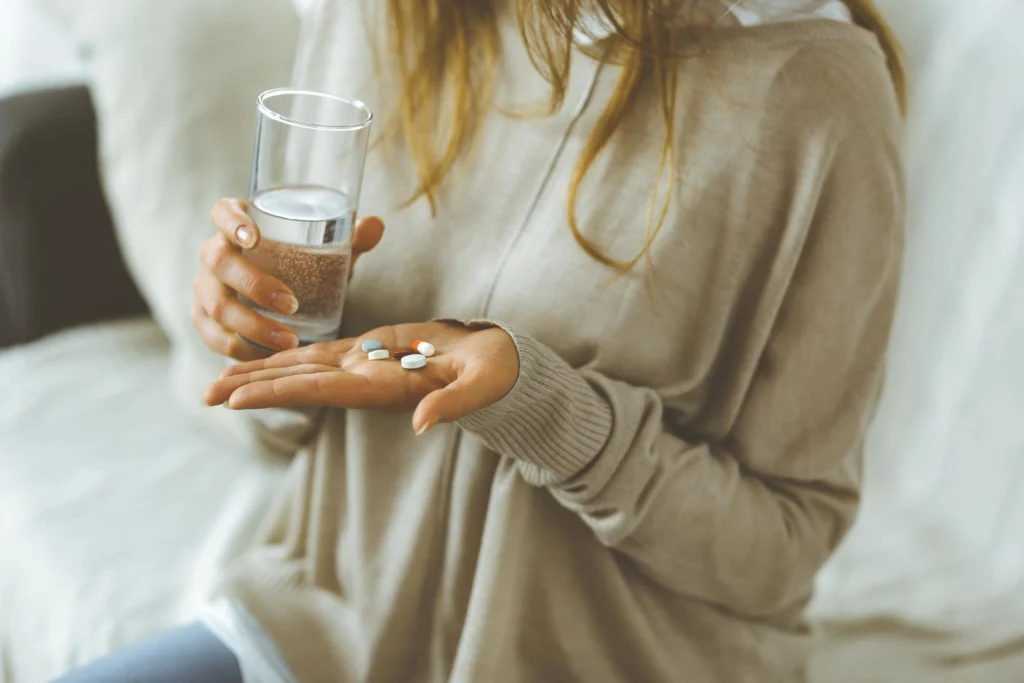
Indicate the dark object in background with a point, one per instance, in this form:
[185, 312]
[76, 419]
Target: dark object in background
[59, 261]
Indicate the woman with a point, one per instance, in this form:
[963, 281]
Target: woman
[635, 475]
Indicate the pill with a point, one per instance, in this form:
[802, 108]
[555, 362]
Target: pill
[379, 354]
[414, 362]
[425, 348]
[404, 351]
[372, 345]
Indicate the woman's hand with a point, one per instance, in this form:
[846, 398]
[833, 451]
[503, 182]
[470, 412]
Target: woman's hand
[471, 369]
[217, 313]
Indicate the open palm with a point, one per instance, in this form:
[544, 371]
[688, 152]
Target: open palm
[472, 368]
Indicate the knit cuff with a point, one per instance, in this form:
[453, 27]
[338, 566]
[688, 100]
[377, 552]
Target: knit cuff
[552, 421]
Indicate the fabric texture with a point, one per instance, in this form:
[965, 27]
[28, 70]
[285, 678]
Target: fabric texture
[175, 87]
[630, 511]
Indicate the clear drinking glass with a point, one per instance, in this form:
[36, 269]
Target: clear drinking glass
[307, 169]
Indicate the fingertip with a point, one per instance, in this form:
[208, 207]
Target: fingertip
[372, 223]
[210, 395]
[425, 416]
[230, 217]
[424, 427]
[247, 235]
[368, 234]
[234, 402]
[286, 303]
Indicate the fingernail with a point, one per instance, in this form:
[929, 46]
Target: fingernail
[285, 303]
[246, 236]
[283, 340]
[423, 430]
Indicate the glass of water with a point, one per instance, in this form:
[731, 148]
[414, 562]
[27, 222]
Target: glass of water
[307, 169]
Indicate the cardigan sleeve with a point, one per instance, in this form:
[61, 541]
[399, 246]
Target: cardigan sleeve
[744, 522]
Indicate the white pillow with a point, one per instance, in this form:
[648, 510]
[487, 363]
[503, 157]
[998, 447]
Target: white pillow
[32, 52]
[175, 86]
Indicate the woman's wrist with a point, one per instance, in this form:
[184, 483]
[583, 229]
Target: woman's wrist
[552, 420]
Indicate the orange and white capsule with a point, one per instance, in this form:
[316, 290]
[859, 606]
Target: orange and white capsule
[424, 347]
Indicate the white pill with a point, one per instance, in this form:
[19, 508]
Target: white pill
[426, 348]
[414, 361]
[379, 354]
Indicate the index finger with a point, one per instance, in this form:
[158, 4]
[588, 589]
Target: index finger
[330, 353]
[231, 219]
[338, 389]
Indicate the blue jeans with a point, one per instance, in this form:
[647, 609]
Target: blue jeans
[189, 654]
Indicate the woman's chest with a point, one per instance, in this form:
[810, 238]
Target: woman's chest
[500, 247]
[500, 243]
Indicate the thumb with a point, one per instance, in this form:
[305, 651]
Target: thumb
[365, 237]
[470, 391]
[231, 219]
[367, 234]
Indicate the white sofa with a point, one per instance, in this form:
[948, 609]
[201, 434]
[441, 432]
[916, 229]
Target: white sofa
[116, 509]
[121, 497]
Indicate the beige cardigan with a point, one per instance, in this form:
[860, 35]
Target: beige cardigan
[653, 498]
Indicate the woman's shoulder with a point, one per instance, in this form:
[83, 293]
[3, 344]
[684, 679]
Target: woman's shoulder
[837, 75]
[807, 76]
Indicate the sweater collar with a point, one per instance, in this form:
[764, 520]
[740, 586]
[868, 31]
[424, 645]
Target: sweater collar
[595, 27]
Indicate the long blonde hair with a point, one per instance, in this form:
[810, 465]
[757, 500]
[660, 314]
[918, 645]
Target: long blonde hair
[445, 54]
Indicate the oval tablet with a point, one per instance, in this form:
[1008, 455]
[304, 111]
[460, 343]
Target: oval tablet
[414, 362]
[378, 354]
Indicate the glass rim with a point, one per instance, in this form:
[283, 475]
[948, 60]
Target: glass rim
[266, 110]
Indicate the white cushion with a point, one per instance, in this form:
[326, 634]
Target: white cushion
[175, 86]
[116, 512]
[33, 52]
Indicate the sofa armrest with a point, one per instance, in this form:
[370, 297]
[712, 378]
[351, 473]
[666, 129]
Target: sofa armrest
[59, 261]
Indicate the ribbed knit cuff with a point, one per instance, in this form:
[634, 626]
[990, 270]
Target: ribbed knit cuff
[552, 421]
